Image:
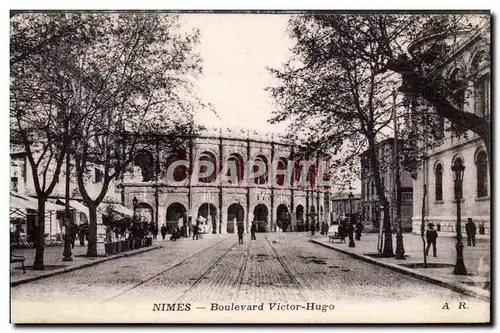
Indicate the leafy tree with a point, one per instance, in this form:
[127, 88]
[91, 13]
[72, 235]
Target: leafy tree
[40, 114]
[133, 92]
[332, 91]
[336, 87]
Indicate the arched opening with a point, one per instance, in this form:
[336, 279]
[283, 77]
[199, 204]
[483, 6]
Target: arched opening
[299, 214]
[482, 93]
[144, 160]
[282, 165]
[237, 161]
[235, 215]
[260, 213]
[439, 182]
[261, 161]
[210, 159]
[482, 174]
[282, 217]
[208, 223]
[180, 172]
[176, 216]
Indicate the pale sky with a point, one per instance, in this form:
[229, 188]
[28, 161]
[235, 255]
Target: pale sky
[236, 48]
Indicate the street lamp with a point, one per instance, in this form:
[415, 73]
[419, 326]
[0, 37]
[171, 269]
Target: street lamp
[458, 176]
[350, 228]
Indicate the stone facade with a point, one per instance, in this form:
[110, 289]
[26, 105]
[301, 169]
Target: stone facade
[436, 173]
[273, 206]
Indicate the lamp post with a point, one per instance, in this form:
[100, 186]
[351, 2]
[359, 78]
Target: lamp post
[350, 228]
[458, 176]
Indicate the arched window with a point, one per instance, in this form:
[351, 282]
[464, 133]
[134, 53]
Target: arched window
[439, 182]
[481, 85]
[261, 160]
[238, 162]
[282, 164]
[482, 174]
[181, 171]
[210, 158]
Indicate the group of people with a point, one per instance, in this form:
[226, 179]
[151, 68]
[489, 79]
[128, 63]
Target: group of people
[241, 231]
[431, 236]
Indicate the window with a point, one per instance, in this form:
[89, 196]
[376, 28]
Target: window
[482, 174]
[210, 162]
[373, 188]
[482, 96]
[439, 182]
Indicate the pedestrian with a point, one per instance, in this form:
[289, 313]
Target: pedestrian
[470, 229]
[431, 236]
[163, 231]
[350, 232]
[359, 230]
[196, 230]
[241, 230]
[253, 230]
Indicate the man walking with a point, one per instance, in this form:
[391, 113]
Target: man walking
[163, 231]
[253, 230]
[431, 236]
[470, 229]
[240, 233]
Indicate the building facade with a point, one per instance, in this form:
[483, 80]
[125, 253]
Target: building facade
[471, 54]
[341, 206]
[274, 206]
[180, 198]
[370, 203]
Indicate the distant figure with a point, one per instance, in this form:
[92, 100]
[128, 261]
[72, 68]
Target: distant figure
[350, 232]
[241, 230]
[196, 231]
[253, 230]
[470, 229]
[431, 236]
[163, 231]
[359, 230]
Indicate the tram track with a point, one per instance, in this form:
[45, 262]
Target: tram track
[210, 269]
[173, 267]
[287, 270]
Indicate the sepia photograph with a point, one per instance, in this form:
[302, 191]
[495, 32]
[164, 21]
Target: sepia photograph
[250, 167]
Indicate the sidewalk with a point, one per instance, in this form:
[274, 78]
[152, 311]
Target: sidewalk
[440, 268]
[54, 264]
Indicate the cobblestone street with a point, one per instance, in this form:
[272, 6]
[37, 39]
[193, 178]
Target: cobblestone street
[275, 268]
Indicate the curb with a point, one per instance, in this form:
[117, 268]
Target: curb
[443, 282]
[85, 265]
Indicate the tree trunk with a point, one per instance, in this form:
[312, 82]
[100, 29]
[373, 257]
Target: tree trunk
[375, 168]
[92, 246]
[40, 232]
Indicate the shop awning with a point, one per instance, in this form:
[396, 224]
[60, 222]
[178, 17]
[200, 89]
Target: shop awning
[75, 205]
[22, 201]
[116, 208]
